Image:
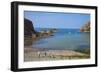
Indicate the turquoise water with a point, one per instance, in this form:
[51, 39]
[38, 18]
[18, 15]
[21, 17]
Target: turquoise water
[70, 39]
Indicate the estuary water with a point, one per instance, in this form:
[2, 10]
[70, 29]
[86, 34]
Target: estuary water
[62, 39]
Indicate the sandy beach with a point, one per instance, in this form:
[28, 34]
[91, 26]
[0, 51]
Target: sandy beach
[32, 54]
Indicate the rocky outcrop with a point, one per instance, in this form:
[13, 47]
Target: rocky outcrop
[29, 33]
[28, 28]
[86, 27]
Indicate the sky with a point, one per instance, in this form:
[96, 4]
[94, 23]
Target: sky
[56, 19]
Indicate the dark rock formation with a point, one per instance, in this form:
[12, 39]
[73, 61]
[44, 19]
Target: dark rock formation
[86, 27]
[29, 33]
[28, 28]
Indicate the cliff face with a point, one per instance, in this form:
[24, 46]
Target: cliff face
[86, 27]
[28, 28]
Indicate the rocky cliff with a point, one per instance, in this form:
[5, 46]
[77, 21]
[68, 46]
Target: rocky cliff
[28, 28]
[86, 27]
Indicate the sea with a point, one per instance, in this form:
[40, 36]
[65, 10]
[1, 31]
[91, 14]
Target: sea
[63, 39]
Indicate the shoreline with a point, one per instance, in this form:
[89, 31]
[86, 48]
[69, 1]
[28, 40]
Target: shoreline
[32, 54]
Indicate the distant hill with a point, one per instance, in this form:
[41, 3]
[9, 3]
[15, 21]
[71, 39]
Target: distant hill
[86, 27]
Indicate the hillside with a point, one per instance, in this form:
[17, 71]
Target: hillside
[86, 27]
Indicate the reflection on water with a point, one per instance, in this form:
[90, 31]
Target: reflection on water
[28, 41]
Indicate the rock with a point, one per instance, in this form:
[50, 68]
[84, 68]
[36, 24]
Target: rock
[34, 36]
[86, 27]
[49, 31]
[28, 28]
